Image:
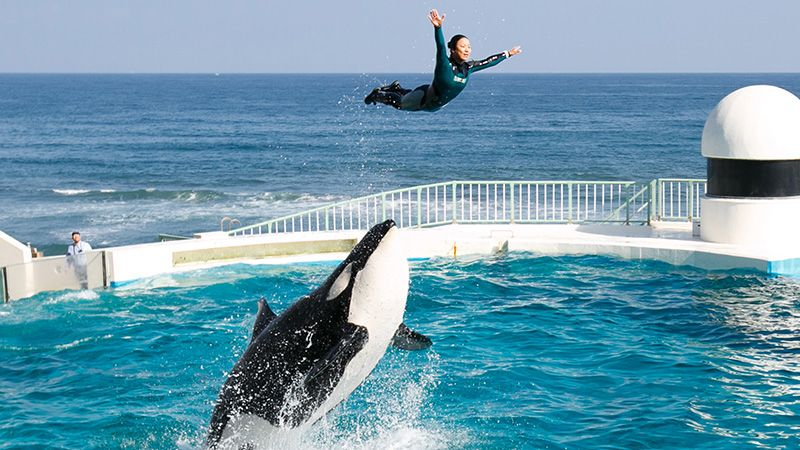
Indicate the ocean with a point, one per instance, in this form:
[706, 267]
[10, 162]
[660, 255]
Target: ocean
[122, 158]
[529, 351]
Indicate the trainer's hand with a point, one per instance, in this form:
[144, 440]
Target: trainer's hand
[435, 18]
[514, 51]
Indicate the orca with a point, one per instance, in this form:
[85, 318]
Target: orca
[302, 363]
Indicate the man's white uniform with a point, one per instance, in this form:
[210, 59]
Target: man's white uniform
[80, 247]
[77, 259]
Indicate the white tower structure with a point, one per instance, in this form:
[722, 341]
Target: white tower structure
[752, 144]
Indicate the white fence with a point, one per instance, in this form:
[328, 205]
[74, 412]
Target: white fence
[501, 202]
[679, 199]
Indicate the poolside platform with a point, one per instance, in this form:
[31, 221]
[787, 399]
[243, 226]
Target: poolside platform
[659, 220]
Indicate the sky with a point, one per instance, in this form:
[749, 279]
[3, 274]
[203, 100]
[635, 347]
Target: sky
[377, 36]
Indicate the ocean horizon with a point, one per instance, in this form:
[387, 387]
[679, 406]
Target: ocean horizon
[124, 157]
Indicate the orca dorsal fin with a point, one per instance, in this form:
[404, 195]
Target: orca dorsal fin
[263, 317]
[407, 339]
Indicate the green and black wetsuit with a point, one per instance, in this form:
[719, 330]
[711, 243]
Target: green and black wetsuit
[449, 79]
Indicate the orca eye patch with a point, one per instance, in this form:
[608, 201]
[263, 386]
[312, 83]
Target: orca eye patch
[341, 282]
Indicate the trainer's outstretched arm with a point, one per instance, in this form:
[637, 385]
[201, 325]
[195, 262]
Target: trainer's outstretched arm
[442, 60]
[435, 18]
[477, 66]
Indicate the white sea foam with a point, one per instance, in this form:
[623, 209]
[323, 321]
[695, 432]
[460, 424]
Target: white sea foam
[187, 442]
[390, 415]
[72, 296]
[411, 438]
[71, 191]
[78, 342]
[393, 419]
[138, 215]
[399, 438]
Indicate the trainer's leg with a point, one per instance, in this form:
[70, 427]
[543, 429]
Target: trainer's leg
[395, 87]
[414, 100]
[387, 98]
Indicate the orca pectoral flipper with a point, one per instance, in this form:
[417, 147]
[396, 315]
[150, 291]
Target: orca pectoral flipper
[327, 372]
[407, 339]
[263, 317]
[331, 366]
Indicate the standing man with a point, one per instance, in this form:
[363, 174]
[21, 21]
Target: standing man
[77, 259]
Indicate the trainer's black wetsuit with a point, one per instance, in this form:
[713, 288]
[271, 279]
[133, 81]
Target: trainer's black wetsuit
[449, 79]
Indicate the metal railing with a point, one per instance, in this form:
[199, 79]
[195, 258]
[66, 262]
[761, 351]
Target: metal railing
[473, 202]
[230, 222]
[679, 198]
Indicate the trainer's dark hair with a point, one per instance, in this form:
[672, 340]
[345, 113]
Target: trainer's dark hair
[454, 40]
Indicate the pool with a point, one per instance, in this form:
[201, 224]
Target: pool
[529, 352]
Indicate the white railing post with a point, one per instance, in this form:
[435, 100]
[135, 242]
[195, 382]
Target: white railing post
[454, 203]
[513, 208]
[383, 207]
[569, 203]
[419, 207]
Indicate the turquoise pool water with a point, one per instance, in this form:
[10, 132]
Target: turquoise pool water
[529, 352]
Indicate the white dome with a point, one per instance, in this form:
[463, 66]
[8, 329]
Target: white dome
[754, 123]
